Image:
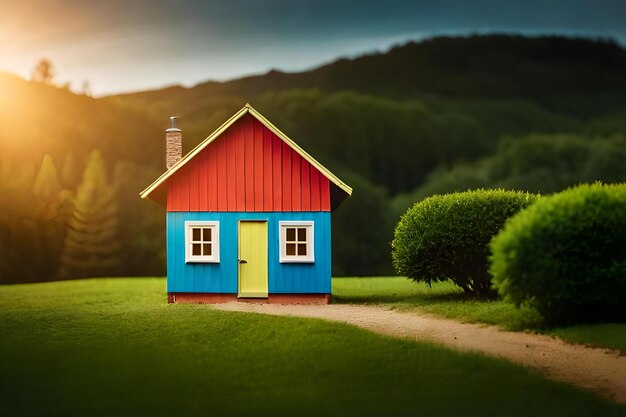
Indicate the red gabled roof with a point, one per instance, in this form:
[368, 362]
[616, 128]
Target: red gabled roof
[253, 167]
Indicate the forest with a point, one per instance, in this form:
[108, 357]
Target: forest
[446, 114]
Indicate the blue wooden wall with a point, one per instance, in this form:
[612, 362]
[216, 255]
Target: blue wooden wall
[296, 278]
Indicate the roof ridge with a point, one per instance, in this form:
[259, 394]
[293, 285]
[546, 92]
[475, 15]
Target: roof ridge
[247, 108]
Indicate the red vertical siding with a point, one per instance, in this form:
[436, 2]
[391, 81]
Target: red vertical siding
[249, 165]
[305, 186]
[203, 180]
[240, 168]
[277, 176]
[194, 184]
[268, 170]
[286, 185]
[183, 196]
[173, 200]
[295, 181]
[231, 169]
[324, 194]
[212, 190]
[315, 190]
[248, 168]
[222, 184]
[258, 166]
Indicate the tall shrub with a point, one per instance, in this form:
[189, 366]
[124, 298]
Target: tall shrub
[566, 255]
[446, 237]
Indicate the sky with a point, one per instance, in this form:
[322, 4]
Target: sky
[129, 45]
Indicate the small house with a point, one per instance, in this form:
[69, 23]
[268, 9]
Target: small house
[248, 216]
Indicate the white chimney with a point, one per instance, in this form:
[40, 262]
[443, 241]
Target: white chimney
[173, 144]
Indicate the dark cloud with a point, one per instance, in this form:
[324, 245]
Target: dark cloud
[163, 41]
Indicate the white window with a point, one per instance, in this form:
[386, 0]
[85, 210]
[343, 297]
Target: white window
[202, 241]
[296, 241]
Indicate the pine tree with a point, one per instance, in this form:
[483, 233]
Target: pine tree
[47, 184]
[52, 202]
[91, 243]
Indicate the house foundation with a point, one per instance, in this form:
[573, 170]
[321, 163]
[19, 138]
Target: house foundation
[218, 298]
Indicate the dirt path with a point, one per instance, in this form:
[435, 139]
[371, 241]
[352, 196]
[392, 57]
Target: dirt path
[599, 370]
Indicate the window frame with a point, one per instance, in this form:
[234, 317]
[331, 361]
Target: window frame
[310, 241]
[215, 241]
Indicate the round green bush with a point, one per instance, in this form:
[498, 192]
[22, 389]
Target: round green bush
[447, 236]
[566, 255]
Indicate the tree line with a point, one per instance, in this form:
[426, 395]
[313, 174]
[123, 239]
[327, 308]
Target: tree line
[72, 218]
[393, 151]
[62, 224]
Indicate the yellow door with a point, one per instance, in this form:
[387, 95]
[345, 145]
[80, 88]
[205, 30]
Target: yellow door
[253, 259]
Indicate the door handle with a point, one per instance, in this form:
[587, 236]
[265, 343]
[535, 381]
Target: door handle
[242, 261]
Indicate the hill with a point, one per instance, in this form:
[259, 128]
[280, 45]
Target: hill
[551, 70]
[39, 119]
[435, 116]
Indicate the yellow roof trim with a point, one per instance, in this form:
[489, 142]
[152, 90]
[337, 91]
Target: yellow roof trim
[246, 109]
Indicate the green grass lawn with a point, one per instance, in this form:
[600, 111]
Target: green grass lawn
[447, 300]
[113, 347]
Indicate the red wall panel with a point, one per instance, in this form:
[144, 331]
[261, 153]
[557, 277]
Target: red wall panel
[173, 199]
[277, 177]
[315, 190]
[258, 166]
[286, 185]
[248, 168]
[324, 194]
[240, 169]
[231, 170]
[203, 185]
[295, 181]
[268, 170]
[305, 184]
[184, 194]
[212, 191]
[194, 181]
[248, 165]
[219, 148]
